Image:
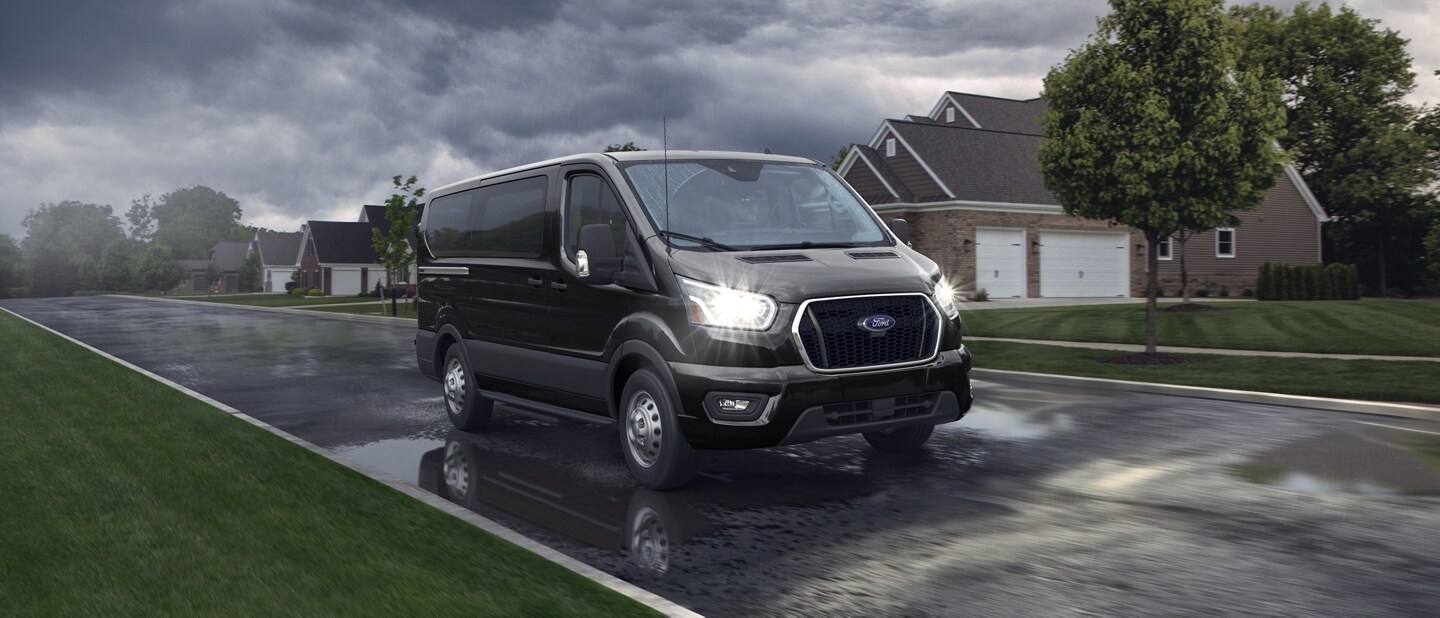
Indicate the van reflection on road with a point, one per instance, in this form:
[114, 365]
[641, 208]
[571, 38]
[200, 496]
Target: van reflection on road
[604, 508]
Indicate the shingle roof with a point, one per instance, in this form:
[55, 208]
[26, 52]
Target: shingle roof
[279, 248]
[343, 243]
[193, 265]
[372, 213]
[980, 165]
[997, 114]
[887, 174]
[229, 255]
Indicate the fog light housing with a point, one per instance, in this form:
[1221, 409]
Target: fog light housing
[735, 406]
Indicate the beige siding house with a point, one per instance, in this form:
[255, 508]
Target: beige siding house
[967, 179]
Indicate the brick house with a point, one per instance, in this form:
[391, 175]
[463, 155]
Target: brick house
[966, 177]
[339, 258]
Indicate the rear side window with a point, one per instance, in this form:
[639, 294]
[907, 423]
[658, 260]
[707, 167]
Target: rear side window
[504, 220]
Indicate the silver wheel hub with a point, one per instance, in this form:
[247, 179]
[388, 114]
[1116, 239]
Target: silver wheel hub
[643, 429]
[649, 542]
[455, 386]
[457, 474]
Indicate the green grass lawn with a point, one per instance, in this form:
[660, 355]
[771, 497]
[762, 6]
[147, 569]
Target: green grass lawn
[407, 310]
[120, 496]
[1411, 381]
[269, 300]
[1370, 326]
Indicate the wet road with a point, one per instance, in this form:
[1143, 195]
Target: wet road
[1041, 502]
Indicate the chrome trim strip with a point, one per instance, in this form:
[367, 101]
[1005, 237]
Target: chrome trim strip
[444, 270]
[764, 416]
[805, 358]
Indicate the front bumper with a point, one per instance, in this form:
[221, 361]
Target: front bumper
[801, 405]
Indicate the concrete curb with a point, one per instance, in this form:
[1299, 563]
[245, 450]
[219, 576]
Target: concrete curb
[640, 595]
[1167, 349]
[1275, 399]
[374, 319]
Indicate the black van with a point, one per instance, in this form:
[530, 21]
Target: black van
[696, 300]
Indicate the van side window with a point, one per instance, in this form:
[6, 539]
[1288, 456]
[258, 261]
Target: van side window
[589, 200]
[504, 220]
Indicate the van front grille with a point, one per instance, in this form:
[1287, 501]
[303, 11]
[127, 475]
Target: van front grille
[831, 337]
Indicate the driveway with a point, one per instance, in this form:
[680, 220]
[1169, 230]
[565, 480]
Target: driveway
[1041, 502]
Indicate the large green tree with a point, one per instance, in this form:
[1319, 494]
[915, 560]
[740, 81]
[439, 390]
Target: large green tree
[1352, 135]
[249, 274]
[119, 263]
[1150, 125]
[56, 235]
[11, 264]
[188, 220]
[159, 270]
[626, 147]
[394, 245]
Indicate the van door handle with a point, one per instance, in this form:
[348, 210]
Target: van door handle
[559, 285]
[535, 281]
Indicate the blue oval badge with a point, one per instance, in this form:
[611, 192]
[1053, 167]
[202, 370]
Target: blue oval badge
[877, 323]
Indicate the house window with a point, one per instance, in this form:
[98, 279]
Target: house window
[949, 114]
[1225, 243]
[890, 147]
[1162, 249]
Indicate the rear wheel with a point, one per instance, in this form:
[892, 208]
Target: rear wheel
[900, 439]
[468, 410]
[650, 437]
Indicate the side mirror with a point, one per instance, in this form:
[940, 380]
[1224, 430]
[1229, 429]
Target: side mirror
[595, 259]
[901, 229]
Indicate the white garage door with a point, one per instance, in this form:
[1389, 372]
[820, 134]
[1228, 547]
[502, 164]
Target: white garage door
[344, 282]
[1000, 262]
[1083, 264]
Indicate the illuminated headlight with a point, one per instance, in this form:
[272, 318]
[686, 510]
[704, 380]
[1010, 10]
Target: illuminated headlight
[712, 305]
[945, 298]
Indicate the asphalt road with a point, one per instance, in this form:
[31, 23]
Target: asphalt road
[1041, 502]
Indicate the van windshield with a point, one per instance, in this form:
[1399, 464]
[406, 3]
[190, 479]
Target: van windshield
[733, 205]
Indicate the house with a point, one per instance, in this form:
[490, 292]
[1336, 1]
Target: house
[279, 252]
[226, 256]
[966, 177]
[340, 258]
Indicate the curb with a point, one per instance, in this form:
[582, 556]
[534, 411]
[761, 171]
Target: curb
[640, 595]
[374, 319]
[1355, 406]
[1170, 349]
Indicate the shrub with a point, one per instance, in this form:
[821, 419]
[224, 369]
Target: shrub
[1224, 291]
[290, 286]
[1159, 292]
[1248, 293]
[297, 291]
[1262, 282]
[315, 292]
[981, 295]
[1203, 292]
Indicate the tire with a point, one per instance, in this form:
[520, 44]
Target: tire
[468, 410]
[900, 439]
[650, 437]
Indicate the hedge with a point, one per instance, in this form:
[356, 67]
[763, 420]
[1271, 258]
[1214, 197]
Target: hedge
[1307, 282]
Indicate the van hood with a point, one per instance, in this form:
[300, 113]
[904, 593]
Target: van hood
[793, 276]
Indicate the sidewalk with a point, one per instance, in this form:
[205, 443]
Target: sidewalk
[1127, 347]
[1021, 303]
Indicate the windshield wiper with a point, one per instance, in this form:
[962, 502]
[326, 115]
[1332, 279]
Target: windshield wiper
[805, 244]
[700, 239]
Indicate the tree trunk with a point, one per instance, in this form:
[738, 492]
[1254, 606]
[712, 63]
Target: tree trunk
[1152, 283]
[1383, 287]
[1184, 274]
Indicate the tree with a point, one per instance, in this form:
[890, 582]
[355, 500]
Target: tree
[394, 245]
[118, 264]
[87, 271]
[626, 147]
[250, 273]
[212, 275]
[11, 260]
[1361, 149]
[159, 270]
[142, 223]
[57, 233]
[1150, 125]
[840, 157]
[191, 220]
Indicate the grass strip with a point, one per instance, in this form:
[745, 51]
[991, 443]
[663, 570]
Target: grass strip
[1370, 326]
[1412, 382]
[407, 310]
[121, 496]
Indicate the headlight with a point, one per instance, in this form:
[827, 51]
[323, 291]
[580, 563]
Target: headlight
[945, 298]
[712, 305]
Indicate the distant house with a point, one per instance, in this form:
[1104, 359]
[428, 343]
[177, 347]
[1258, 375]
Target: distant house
[279, 256]
[967, 179]
[340, 258]
[227, 256]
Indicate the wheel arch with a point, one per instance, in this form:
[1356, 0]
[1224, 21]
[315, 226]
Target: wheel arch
[628, 358]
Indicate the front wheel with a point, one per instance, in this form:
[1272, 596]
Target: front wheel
[900, 439]
[650, 437]
[468, 410]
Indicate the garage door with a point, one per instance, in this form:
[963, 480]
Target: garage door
[345, 282]
[1082, 264]
[1000, 262]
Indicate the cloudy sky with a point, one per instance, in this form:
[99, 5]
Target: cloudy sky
[303, 110]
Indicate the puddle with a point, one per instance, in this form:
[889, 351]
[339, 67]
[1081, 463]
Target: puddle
[1025, 415]
[1366, 459]
[398, 458]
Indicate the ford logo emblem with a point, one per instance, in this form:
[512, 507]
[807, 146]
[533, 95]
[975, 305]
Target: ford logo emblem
[877, 323]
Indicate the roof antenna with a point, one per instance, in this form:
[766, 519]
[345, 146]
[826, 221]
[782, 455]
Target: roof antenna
[665, 167]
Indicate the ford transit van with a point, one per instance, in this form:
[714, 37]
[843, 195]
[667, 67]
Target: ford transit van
[692, 300]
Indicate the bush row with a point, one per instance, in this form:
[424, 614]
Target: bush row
[1307, 282]
[298, 291]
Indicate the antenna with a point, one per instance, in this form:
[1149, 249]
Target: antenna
[665, 169]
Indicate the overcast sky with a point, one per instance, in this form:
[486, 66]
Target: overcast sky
[303, 110]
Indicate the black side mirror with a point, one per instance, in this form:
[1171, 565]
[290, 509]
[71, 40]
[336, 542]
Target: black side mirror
[901, 229]
[595, 257]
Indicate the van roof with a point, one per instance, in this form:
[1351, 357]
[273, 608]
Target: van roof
[635, 155]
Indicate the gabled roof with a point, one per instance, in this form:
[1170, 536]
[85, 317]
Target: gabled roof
[995, 113]
[343, 243]
[898, 192]
[372, 213]
[979, 165]
[278, 248]
[194, 265]
[229, 255]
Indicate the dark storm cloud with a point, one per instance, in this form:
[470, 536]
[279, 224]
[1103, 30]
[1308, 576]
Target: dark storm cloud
[304, 109]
